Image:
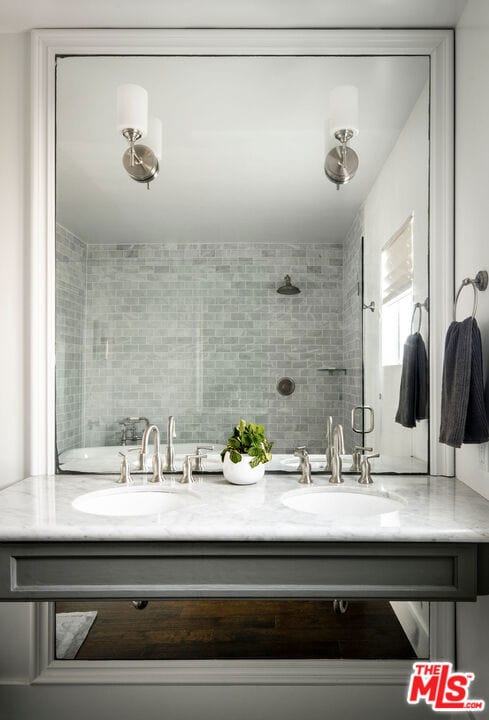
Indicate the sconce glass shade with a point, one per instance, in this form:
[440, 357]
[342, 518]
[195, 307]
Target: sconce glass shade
[132, 108]
[154, 136]
[343, 103]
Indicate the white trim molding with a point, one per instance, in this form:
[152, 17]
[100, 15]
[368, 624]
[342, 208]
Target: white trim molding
[46, 45]
[50, 671]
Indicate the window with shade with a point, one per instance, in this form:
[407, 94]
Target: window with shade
[397, 292]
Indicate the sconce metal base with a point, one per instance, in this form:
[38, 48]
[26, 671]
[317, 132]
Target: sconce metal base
[145, 166]
[341, 164]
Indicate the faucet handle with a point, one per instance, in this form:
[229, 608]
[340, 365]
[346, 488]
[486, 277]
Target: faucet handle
[305, 466]
[187, 477]
[365, 476]
[198, 456]
[356, 457]
[125, 476]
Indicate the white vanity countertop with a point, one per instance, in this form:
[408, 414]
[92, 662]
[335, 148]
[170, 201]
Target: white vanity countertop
[436, 509]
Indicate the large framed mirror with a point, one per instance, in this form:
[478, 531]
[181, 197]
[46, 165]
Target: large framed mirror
[244, 282]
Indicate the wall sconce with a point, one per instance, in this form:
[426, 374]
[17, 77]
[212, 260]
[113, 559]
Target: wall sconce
[139, 161]
[341, 162]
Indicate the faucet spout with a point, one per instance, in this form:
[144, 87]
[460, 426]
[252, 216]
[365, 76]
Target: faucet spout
[148, 431]
[337, 452]
[170, 450]
[329, 441]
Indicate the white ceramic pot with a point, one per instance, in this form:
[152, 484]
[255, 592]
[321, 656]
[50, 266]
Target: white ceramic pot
[241, 473]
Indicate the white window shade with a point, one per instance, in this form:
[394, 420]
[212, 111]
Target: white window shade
[397, 263]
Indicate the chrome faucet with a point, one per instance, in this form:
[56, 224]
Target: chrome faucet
[356, 457]
[187, 476]
[366, 477]
[125, 477]
[305, 465]
[157, 475]
[198, 456]
[329, 441]
[338, 451]
[170, 450]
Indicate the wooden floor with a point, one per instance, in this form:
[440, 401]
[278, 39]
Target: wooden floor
[219, 629]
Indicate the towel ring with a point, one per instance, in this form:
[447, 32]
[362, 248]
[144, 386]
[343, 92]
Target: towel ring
[417, 306]
[479, 283]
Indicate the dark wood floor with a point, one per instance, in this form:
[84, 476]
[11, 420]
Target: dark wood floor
[218, 629]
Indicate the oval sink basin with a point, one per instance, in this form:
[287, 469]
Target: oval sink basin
[132, 501]
[335, 504]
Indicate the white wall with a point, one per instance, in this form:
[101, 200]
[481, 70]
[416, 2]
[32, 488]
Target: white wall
[13, 252]
[471, 255]
[400, 189]
[15, 620]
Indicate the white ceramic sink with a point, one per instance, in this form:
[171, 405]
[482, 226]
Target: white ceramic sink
[131, 501]
[337, 503]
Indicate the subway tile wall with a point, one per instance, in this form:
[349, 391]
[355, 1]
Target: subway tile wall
[199, 331]
[71, 272]
[352, 329]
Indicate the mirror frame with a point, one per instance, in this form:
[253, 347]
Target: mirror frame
[47, 45]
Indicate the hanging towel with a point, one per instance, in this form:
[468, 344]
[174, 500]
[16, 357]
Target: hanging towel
[463, 410]
[413, 392]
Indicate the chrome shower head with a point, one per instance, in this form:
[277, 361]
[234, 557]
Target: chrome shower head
[288, 288]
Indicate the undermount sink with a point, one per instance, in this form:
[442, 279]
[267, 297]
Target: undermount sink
[337, 503]
[132, 501]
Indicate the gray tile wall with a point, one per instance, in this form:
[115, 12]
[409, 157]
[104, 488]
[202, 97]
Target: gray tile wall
[71, 263]
[352, 328]
[199, 331]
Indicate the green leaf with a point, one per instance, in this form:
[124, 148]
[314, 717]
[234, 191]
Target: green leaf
[248, 438]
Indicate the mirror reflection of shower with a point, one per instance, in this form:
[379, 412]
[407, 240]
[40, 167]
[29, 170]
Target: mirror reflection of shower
[287, 288]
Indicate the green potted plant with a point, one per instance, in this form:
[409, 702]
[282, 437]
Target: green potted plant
[246, 453]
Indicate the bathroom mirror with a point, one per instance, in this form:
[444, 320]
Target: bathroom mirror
[174, 300]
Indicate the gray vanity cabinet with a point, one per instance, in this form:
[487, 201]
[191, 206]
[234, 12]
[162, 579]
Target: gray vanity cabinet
[404, 571]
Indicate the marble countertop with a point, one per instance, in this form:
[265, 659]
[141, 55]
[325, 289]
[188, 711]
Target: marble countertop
[434, 509]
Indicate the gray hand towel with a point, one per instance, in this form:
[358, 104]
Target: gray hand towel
[413, 392]
[463, 410]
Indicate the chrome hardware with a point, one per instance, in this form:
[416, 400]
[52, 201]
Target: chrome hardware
[419, 307]
[125, 477]
[340, 607]
[140, 604]
[361, 428]
[357, 456]
[480, 282]
[305, 465]
[129, 431]
[170, 451]
[338, 451]
[198, 456]
[365, 469]
[157, 475]
[329, 442]
[187, 477]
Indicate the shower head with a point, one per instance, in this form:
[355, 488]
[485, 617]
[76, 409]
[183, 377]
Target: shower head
[288, 288]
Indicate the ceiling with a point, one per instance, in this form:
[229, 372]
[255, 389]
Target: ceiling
[18, 16]
[244, 141]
